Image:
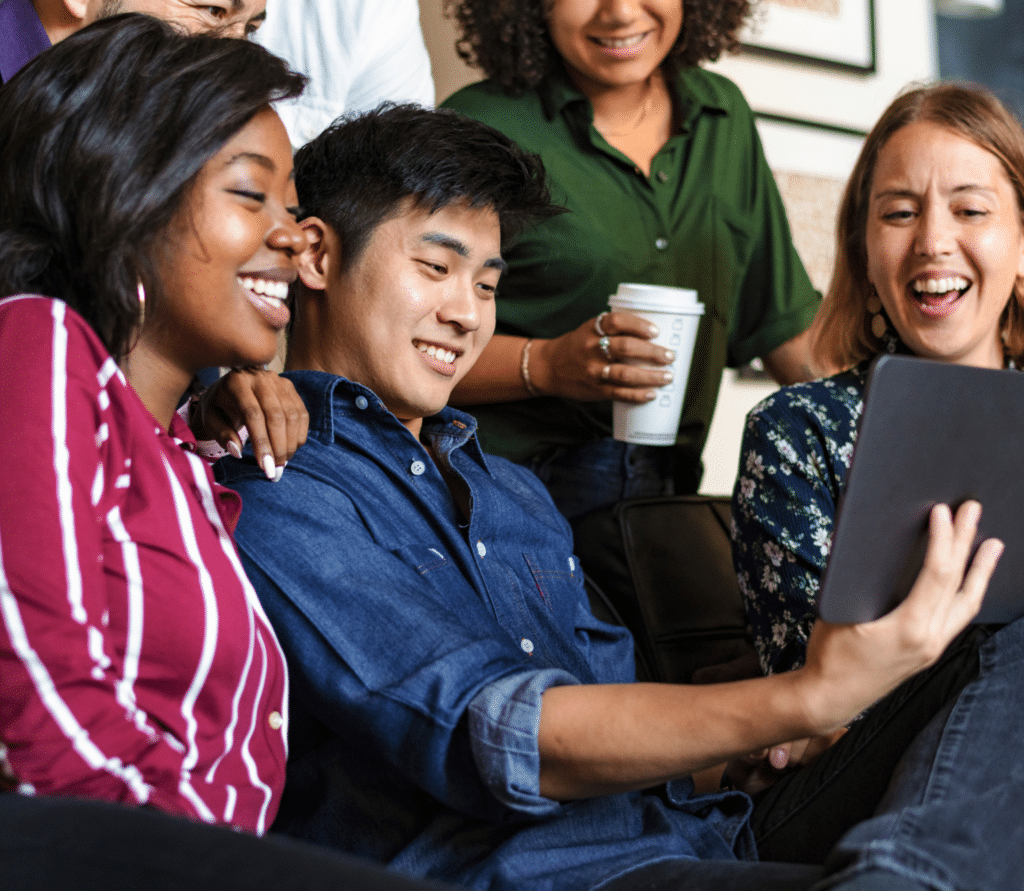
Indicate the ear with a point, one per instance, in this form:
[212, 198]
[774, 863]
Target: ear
[316, 260]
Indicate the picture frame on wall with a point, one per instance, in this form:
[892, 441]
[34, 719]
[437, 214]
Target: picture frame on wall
[835, 34]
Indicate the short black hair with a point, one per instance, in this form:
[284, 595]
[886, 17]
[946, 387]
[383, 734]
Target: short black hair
[103, 136]
[362, 169]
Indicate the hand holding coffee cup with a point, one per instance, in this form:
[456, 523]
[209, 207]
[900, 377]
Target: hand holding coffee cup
[676, 313]
[614, 359]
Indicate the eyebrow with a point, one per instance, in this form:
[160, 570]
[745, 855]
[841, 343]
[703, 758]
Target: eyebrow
[908, 193]
[454, 244]
[255, 157]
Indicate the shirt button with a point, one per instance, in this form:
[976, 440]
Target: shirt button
[276, 721]
[481, 549]
[417, 468]
[527, 645]
[362, 402]
[661, 244]
[662, 176]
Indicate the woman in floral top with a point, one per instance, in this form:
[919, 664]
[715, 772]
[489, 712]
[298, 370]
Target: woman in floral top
[931, 263]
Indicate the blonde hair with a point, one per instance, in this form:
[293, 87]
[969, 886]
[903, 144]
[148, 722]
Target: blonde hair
[842, 328]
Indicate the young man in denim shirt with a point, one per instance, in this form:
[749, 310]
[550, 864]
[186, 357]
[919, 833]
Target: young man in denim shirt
[458, 712]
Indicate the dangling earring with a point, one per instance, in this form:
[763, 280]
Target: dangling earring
[879, 323]
[142, 302]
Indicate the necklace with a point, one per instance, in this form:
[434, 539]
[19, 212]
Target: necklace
[645, 106]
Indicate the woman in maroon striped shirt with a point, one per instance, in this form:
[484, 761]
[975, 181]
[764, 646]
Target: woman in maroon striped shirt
[147, 230]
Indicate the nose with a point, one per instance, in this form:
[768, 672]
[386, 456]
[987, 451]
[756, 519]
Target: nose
[934, 236]
[287, 235]
[461, 308]
[617, 12]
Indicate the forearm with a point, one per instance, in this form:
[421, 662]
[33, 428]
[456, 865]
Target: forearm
[497, 375]
[792, 362]
[605, 739]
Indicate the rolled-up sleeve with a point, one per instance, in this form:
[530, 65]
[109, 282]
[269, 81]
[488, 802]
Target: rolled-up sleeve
[504, 720]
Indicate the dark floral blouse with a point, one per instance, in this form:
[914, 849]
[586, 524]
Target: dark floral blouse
[796, 452]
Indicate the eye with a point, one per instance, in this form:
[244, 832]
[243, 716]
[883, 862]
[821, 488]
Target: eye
[438, 268]
[217, 12]
[259, 197]
[898, 216]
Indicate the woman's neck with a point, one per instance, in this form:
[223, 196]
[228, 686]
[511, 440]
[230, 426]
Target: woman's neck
[635, 118]
[159, 383]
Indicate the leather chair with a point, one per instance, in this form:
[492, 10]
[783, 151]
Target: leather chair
[663, 568]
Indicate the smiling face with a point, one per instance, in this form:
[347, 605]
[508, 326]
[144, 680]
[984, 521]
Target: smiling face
[230, 256]
[412, 313]
[232, 18]
[945, 243]
[613, 43]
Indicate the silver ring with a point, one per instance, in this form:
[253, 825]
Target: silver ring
[597, 324]
[606, 372]
[604, 345]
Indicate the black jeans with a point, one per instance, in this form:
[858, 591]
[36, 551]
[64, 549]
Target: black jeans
[48, 844]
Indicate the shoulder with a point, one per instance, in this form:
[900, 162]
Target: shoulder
[32, 324]
[713, 88]
[488, 102]
[818, 417]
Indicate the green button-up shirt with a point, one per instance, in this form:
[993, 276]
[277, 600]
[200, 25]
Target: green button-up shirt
[709, 217]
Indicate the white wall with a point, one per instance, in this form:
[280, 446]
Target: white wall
[905, 52]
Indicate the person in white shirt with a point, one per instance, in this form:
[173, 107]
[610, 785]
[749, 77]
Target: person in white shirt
[356, 53]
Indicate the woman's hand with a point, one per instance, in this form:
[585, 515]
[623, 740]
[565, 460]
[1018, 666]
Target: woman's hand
[851, 666]
[757, 771]
[263, 402]
[585, 366]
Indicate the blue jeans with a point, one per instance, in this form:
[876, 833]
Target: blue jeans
[596, 474]
[953, 815]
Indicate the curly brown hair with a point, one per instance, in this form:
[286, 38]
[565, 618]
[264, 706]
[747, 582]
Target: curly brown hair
[508, 39]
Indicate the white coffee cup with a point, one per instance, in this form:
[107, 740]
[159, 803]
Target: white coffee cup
[676, 313]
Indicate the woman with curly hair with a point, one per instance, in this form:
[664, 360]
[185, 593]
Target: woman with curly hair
[660, 164]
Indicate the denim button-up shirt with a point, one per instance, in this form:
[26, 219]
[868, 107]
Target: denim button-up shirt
[420, 646]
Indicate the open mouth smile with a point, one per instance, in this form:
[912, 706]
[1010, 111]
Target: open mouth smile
[939, 296]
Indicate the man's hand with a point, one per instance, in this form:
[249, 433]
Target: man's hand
[868, 660]
[262, 402]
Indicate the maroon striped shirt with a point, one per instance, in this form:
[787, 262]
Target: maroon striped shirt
[136, 664]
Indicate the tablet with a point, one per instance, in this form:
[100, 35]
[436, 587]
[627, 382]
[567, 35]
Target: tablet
[931, 432]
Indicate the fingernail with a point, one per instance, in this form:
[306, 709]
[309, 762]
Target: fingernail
[667, 376]
[670, 356]
[280, 472]
[234, 450]
[778, 758]
[269, 468]
[652, 330]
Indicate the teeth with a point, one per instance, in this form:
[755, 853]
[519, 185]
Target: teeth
[621, 42]
[940, 285]
[437, 353]
[275, 290]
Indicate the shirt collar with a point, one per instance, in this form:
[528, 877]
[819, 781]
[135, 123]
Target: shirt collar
[23, 37]
[693, 97]
[332, 400]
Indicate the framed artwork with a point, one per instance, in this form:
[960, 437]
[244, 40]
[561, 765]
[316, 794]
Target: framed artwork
[836, 34]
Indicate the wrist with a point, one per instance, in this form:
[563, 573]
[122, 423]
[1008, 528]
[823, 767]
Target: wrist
[524, 369]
